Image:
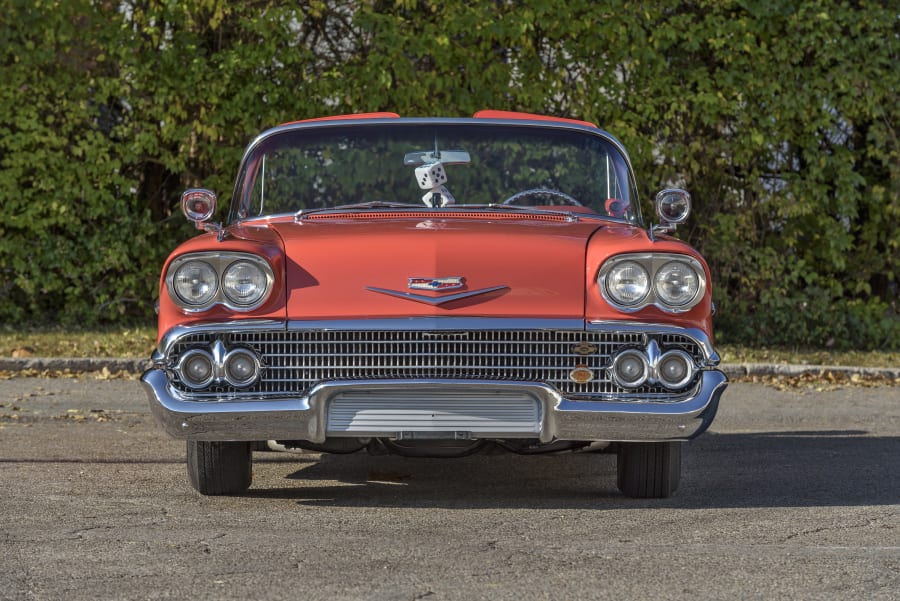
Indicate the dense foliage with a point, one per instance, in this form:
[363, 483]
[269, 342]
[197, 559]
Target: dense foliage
[780, 118]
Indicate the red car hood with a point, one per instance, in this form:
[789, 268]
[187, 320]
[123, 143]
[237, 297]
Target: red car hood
[362, 268]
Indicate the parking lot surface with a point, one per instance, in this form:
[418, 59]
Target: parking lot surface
[793, 494]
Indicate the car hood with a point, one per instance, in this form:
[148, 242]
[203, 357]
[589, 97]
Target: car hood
[409, 267]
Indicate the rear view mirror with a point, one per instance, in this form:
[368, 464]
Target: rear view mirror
[447, 157]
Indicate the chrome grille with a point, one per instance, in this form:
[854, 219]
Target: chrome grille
[297, 360]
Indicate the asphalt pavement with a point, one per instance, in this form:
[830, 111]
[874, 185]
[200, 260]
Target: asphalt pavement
[793, 494]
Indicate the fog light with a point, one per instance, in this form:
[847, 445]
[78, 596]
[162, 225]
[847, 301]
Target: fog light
[195, 368]
[630, 368]
[675, 369]
[241, 368]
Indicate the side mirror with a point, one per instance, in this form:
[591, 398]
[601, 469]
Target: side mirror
[673, 206]
[198, 205]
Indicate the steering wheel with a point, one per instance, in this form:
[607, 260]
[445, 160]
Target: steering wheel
[547, 192]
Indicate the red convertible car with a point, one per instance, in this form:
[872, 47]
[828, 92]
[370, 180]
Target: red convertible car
[435, 287]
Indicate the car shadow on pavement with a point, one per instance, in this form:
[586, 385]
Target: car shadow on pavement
[720, 470]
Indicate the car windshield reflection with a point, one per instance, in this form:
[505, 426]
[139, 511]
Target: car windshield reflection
[298, 171]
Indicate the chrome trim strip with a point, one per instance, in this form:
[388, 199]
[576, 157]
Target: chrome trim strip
[431, 300]
[435, 323]
[305, 418]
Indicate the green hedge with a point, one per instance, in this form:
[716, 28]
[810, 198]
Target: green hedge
[780, 118]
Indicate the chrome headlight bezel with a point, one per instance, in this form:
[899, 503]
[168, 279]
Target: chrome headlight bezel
[220, 263]
[653, 263]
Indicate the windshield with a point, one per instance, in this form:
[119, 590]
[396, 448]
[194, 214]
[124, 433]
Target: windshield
[435, 165]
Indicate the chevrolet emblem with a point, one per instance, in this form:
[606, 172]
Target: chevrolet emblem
[438, 284]
[585, 348]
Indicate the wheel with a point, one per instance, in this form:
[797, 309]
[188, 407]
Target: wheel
[649, 470]
[551, 197]
[219, 468]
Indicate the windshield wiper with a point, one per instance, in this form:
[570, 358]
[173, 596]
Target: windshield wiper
[375, 204]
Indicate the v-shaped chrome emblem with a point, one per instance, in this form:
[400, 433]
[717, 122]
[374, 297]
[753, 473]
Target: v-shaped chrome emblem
[435, 300]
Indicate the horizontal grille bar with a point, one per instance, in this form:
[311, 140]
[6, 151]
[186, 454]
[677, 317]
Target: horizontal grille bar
[296, 360]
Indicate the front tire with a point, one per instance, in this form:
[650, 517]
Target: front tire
[219, 468]
[649, 470]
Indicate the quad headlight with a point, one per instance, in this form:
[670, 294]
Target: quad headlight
[244, 283]
[630, 368]
[239, 281]
[677, 283]
[216, 365]
[674, 283]
[241, 368]
[628, 283]
[195, 283]
[633, 367]
[196, 369]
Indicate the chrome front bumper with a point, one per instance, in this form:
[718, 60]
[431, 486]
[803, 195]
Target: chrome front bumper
[307, 417]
